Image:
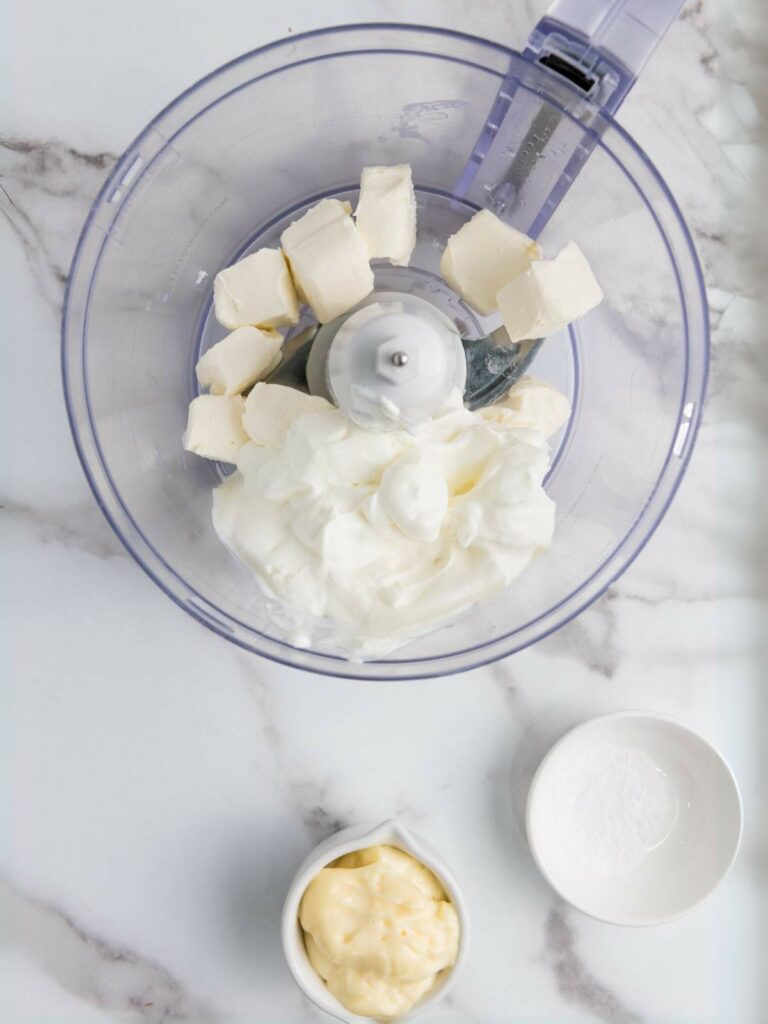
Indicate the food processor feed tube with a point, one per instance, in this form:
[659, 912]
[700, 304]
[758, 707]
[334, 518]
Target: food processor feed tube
[594, 50]
[529, 153]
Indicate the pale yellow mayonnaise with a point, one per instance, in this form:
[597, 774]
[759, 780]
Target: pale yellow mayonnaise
[379, 929]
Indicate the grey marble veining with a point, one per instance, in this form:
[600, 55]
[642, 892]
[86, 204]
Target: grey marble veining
[47, 188]
[80, 527]
[113, 978]
[307, 797]
[164, 786]
[574, 979]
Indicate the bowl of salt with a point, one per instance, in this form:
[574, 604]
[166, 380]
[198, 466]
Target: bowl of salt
[633, 818]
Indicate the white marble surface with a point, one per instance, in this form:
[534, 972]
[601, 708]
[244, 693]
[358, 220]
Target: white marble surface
[160, 786]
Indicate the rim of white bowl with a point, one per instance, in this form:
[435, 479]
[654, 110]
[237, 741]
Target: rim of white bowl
[651, 716]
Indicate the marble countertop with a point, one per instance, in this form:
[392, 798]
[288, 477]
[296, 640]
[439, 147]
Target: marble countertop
[161, 786]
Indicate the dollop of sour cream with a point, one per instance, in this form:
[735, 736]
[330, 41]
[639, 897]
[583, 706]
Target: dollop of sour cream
[388, 535]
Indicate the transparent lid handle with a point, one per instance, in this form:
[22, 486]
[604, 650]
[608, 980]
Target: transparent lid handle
[592, 35]
[527, 154]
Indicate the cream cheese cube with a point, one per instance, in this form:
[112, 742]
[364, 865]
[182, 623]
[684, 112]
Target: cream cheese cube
[272, 409]
[483, 256]
[530, 404]
[239, 360]
[257, 292]
[549, 295]
[386, 213]
[328, 259]
[315, 219]
[215, 427]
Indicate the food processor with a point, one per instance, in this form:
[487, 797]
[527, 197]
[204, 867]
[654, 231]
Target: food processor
[227, 166]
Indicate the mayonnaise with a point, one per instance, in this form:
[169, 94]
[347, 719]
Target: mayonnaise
[379, 929]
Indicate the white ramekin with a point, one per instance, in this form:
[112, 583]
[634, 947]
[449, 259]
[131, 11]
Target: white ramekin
[358, 837]
[685, 865]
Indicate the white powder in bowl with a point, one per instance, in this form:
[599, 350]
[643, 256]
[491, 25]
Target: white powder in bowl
[613, 806]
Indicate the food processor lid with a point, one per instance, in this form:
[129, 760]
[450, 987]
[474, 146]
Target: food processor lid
[392, 362]
[105, 383]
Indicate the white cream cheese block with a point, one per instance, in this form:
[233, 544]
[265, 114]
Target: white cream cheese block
[328, 259]
[530, 404]
[386, 213]
[549, 295]
[257, 291]
[483, 256]
[215, 427]
[272, 409]
[236, 362]
[315, 219]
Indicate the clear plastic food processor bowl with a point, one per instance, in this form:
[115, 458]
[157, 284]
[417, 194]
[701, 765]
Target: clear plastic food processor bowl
[239, 155]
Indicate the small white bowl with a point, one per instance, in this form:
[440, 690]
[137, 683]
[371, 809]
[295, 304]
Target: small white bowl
[669, 787]
[358, 837]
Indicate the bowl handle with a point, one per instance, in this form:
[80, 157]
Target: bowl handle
[528, 154]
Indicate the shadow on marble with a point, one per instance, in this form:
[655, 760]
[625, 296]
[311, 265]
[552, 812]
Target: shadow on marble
[256, 871]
